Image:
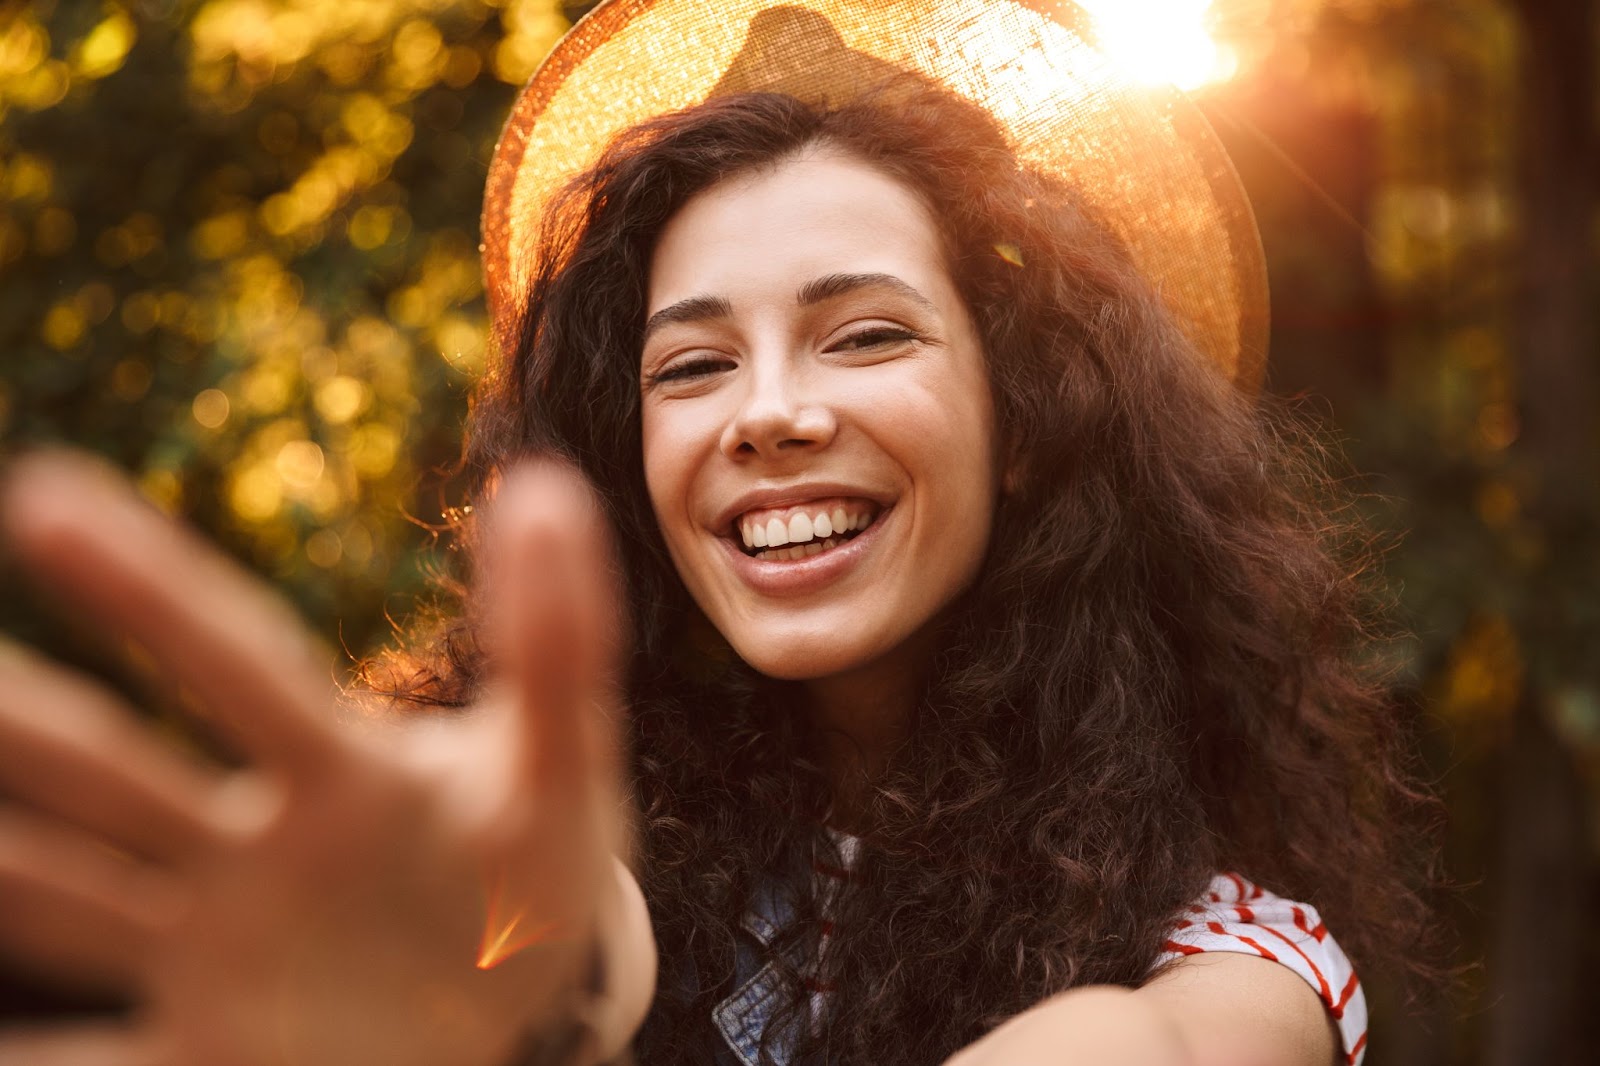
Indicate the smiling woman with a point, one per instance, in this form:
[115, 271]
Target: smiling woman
[993, 676]
[1086, 608]
[841, 372]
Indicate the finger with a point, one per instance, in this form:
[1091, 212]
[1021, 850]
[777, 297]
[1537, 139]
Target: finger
[84, 1044]
[214, 629]
[70, 748]
[75, 909]
[556, 621]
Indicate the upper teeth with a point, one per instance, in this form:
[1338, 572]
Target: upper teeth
[801, 527]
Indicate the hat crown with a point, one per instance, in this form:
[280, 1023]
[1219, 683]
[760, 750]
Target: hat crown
[1143, 160]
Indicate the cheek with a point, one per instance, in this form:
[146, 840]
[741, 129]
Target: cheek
[670, 454]
[663, 477]
[964, 484]
[940, 431]
[959, 468]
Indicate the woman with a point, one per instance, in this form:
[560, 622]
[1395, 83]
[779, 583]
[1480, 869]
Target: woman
[974, 636]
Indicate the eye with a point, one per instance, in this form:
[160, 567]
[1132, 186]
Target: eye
[688, 370]
[874, 337]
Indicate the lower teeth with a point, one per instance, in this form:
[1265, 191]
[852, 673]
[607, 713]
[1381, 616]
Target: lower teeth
[799, 551]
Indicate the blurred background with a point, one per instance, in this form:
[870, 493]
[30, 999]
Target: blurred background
[238, 258]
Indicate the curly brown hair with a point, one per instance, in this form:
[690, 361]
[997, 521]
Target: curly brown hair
[1164, 670]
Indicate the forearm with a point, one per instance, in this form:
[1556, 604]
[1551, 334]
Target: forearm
[599, 1016]
[1101, 1024]
[628, 946]
[1214, 1009]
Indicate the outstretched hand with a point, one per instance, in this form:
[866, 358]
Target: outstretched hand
[364, 891]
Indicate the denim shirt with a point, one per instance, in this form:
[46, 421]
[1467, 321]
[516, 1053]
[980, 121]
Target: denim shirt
[743, 1015]
[1244, 913]
[1237, 915]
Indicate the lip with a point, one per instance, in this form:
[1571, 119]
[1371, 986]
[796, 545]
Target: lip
[786, 495]
[799, 577]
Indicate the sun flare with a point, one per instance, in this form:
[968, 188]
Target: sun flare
[507, 929]
[1162, 41]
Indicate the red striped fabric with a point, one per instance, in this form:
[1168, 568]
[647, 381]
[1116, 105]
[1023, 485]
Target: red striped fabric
[827, 880]
[1237, 915]
[1234, 914]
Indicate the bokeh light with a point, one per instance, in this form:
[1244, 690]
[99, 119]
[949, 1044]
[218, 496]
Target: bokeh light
[245, 293]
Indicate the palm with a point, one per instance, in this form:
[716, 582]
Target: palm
[366, 892]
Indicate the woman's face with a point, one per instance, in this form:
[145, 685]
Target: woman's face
[819, 438]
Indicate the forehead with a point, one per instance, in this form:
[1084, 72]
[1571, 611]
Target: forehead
[817, 213]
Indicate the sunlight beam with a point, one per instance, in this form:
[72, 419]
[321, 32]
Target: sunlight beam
[1162, 41]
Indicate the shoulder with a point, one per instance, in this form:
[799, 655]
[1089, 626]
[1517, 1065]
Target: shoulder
[1236, 917]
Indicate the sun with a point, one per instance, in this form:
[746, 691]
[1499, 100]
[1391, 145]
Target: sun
[1162, 41]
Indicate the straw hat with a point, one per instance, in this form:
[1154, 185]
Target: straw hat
[1144, 160]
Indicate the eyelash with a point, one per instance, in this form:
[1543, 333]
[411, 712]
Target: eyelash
[878, 335]
[862, 340]
[687, 370]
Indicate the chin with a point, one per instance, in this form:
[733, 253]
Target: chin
[804, 656]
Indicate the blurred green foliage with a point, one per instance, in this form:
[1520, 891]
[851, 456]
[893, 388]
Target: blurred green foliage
[239, 249]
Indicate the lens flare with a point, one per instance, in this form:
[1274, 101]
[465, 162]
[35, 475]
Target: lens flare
[507, 927]
[1162, 41]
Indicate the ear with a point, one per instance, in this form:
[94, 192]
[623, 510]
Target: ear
[1011, 479]
[1013, 466]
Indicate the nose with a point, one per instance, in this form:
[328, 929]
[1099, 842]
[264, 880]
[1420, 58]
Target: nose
[778, 415]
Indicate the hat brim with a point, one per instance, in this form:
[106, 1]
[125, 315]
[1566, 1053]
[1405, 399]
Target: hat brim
[1144, 160]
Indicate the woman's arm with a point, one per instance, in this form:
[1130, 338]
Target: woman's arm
[629, 947]
[358, 893]
[1206, 1010]
[1103, 1025]
[1240, 1010]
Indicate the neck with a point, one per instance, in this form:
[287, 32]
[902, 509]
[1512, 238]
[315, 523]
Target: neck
[863, 715]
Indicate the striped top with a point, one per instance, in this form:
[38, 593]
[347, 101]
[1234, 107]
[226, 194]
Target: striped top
[828, 881]
[1241, 916]
[1234, 915]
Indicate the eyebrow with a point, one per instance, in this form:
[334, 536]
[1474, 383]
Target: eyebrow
[694, 309]
[832, 285]
[815, 291]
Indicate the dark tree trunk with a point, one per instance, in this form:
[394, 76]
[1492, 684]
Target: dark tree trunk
[1557, 346]
[1536, 962]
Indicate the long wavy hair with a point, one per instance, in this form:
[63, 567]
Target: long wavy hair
[1164, 670]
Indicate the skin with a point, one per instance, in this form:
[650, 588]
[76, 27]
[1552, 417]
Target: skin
[213, 902]
[752, 384]
[756, 387]
[355, 874]
[1209, 1010]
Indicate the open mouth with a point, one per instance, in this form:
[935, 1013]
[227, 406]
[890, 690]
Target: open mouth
[801, 531]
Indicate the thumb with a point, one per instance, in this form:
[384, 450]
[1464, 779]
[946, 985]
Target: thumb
[550, 600]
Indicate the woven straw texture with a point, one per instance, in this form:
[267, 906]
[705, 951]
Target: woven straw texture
[1144, 161]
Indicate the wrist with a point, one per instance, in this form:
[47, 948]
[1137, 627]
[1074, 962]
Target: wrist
[628, 945]
[595, 1022]
[574, 1036]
